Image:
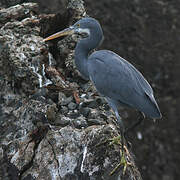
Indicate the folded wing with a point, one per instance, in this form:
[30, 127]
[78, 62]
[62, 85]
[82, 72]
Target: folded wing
[117, 79]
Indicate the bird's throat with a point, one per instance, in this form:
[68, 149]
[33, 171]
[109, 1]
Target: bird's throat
[83, 49]
[81, 58]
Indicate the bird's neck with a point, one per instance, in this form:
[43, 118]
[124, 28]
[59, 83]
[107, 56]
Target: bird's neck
[82, 51]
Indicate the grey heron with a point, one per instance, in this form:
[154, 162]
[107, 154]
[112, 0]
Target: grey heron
[114, 77]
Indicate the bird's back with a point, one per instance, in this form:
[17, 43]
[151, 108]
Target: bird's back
[119, 80]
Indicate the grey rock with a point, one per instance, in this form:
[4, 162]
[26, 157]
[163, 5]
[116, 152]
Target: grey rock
[84, 111]
[72, 106]
[21, 49]
[80, 122]
[64, 110]
[17, 12]
[62, 120]
[77, 8]
[66, 101]
[100, 101]
[61, 97]
[83, 96]
[85, 86]
[91, 103]
[9, 99]
[94, 114]
[106, 107]
[104, 115]
[51, 112]
[99, 121]
[73, 114]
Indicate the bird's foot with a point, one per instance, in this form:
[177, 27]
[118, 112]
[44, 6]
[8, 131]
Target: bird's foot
[124, 155]
[111, 141]
[124, 162]
[115, 140]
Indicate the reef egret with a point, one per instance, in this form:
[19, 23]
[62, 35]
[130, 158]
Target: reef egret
[114, 77]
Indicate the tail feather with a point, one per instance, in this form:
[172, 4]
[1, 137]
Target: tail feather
[153, 110]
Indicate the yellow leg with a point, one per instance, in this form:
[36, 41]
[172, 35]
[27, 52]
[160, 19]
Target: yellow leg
[124, 153]
[124, 162]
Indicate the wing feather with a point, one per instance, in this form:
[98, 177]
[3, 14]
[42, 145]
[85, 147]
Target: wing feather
[116, 78]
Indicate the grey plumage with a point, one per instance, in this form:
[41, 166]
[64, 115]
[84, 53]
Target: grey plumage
[114, 78]
[122, 82]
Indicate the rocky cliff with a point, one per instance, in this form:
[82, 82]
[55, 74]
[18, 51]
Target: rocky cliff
[53, 124]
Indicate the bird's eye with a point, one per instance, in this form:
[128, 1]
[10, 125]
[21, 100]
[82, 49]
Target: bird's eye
[78, 25]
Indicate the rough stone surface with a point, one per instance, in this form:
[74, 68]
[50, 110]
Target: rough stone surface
[18, 12]
[40, 138]
[7, 3]
[72, 106]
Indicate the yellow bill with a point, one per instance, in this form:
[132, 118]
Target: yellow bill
[64, 32]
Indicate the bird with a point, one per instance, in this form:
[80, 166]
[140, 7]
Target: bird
[117, 80]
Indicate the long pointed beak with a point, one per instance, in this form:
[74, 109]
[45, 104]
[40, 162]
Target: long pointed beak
[65, 32]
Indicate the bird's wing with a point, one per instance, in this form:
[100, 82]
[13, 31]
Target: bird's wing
[115, 78]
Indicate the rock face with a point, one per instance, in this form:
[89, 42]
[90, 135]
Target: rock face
[53, 125]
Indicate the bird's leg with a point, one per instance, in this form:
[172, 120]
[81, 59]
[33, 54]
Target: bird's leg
[123, 162]
[121, 129]
[139, 121]
[123, 152]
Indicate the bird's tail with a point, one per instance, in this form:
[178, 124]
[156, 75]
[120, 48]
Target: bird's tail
[151, 109]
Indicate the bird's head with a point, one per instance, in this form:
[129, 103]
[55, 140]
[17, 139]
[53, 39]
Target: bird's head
[84, 26]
